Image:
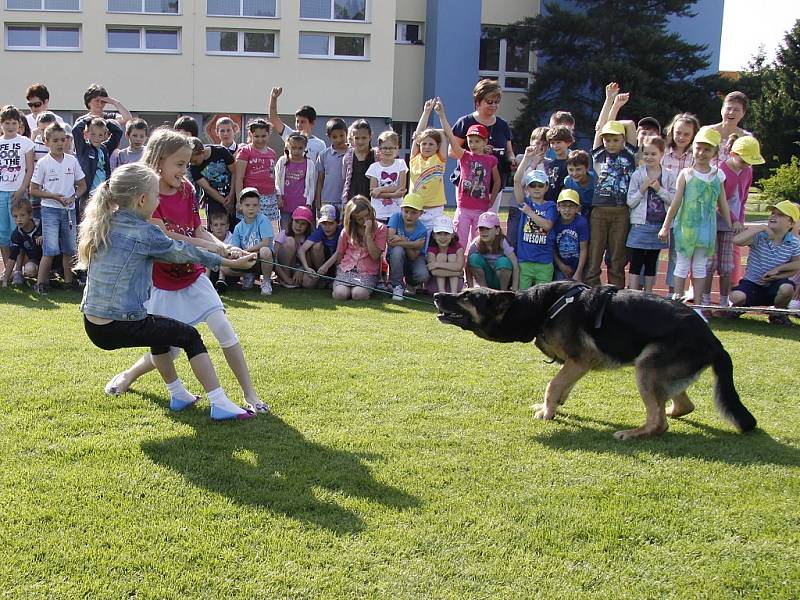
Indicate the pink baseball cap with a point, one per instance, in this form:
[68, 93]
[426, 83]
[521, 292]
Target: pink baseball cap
[303, 213]
[489, 219]
[479, 130]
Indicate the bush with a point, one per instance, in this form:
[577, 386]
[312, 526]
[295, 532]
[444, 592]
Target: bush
[784, 184]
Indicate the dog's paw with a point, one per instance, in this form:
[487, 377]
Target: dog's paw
[541, 412]
[639, 432]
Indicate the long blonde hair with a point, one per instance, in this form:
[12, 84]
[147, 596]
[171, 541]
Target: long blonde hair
[353, 229]
[164, 142]
[126, 185]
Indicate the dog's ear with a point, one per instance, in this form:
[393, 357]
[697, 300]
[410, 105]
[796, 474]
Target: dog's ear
[501, 302]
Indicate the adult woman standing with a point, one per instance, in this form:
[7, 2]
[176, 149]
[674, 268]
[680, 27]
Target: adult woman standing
[734, 108]
[487, 95]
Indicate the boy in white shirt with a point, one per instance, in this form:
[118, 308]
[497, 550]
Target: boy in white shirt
[57, 180]
[16, 167]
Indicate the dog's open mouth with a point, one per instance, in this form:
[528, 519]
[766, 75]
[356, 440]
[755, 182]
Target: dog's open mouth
[451, 318]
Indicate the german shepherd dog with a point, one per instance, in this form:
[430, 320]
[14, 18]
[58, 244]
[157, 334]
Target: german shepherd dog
[603, 327]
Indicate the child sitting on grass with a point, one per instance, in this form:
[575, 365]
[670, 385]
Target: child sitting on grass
[318, 253]
[446, 256]
[287, 244]
[407, 241]
[491, 260]
[25, 251]
[361, 244]
[254, 234]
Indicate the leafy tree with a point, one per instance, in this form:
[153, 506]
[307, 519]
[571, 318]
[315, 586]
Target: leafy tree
[626, 41]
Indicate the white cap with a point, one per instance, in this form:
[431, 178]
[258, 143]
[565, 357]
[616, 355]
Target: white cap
[442, 223]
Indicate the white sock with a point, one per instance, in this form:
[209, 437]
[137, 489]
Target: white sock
[706, 299]
[178, 390]
[700, 313]
[794, 304]
[723, 301]
[219, 399]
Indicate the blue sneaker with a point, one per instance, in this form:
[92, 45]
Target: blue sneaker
[223, 414]
[177, 405]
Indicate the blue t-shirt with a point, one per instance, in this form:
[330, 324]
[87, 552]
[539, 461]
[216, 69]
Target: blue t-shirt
[319, 236]
[419, 233]
[568, 238]
[613, 175]
[247, 235]
[556, 169]
[584, 193]
[533, 244]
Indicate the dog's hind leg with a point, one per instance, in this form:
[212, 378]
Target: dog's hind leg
[559, 388]
[681, 405]
[655, 399]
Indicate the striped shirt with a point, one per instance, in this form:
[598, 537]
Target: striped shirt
[766, 254]
[674, 162]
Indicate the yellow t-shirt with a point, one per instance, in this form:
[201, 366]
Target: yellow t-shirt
[427, 179]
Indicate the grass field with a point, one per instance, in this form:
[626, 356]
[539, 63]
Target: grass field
[401, 461]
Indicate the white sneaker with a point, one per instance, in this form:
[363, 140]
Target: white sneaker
[17, 278]
[266, 288]
[397, 293]
[247, 281]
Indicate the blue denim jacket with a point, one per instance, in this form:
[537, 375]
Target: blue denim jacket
[121, 272]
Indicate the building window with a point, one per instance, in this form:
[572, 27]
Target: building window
[161, 7]
[43, 5]
[408, 33]
[322, 45]
[43, 37]
[334, 10]
[143, 39]
[242, 8]
[508, 62]
[250, 43]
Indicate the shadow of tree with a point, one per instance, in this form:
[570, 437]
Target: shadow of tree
[707, 443]
[269, 464]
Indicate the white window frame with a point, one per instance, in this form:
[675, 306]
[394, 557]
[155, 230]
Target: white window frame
[332, 45]
[240, 42]
[501, 74]
[142, 40]
[43, 37]
[144, 12]
[242, 15]
[367, 14]
[400, 33]
[43, 9]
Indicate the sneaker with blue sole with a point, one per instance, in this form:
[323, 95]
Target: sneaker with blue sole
[223, 414]
[177, 405]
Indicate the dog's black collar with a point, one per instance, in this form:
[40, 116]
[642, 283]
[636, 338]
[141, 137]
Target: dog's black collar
[570, 296]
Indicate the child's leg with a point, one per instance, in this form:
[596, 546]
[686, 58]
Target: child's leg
[452, 261]
[6, 226]
[527, 275]
[682, 262]
[341, 292]
[50, 245]
[637, 261]
[68, 241]
[597, 246]
[315, 257]
[650, 269]
[286, 255]
[265, 255]
[397, 265]
[617, 236]
[419, 271]
[360, 293]
[699, 262]
[478, 268]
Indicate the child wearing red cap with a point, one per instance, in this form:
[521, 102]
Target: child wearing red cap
[287, 243]
[480, 178]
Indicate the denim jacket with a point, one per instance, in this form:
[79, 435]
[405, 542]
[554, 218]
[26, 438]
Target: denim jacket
[121, 272]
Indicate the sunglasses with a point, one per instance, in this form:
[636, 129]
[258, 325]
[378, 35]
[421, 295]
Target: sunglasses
[35, 104]
[536, 184]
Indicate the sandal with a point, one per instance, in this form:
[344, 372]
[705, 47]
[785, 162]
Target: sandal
[258, 407]
[112, 387]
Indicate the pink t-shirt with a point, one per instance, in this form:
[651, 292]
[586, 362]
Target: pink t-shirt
[260, 170]
[294, 185]
[179, 213]
[357, 258]
[737, 187]
[451, 249]
[475, 188]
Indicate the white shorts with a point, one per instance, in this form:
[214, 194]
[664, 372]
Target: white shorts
[190, 305]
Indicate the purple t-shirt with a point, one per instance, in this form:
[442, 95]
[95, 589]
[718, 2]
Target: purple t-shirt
[294, 186]
[318, 235]
[475, 187]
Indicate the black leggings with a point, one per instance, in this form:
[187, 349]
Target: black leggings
[644, 258]
[159, 333]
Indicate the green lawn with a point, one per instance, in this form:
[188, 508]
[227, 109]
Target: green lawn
[401, 461]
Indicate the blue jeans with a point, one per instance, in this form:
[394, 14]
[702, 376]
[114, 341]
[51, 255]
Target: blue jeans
[59, 231]
[415, 271]
[6, 220]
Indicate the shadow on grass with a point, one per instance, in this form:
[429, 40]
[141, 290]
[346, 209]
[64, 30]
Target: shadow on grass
[707, 443]
[24, 296]
[267, 463]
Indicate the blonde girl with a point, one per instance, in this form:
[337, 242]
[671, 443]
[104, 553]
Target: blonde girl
[699, 194]
[680, 135]
[427, 166]
[117, 246]
[361, 244]
[180, 291]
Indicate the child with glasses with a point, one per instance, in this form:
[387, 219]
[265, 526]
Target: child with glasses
[387, 178]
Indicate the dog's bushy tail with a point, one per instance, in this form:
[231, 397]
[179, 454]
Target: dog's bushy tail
[725, 395]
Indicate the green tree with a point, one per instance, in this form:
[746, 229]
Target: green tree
[774, 114]
[626, 41]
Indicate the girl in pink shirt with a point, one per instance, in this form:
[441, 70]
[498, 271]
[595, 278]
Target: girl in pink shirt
[295, 178]
[255, 167]
[361, 244]
[182, 292]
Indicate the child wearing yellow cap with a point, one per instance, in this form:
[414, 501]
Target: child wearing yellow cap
[407, 242]
[745, 152]
[699, 190]
[571, 235]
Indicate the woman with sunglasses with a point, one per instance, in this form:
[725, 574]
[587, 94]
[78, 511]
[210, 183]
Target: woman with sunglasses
[38, 98]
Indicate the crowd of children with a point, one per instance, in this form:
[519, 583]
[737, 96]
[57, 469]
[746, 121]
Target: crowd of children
[354, 216]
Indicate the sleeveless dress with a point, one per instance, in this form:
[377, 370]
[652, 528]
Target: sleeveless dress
[696, 222]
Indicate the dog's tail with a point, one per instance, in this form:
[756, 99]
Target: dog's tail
[725, 395]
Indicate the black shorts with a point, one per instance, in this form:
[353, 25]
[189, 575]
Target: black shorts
[761, 295]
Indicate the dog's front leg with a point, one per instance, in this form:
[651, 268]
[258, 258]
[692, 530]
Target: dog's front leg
[559, 387]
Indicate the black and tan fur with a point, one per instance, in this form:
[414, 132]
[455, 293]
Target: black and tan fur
[606, 328]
